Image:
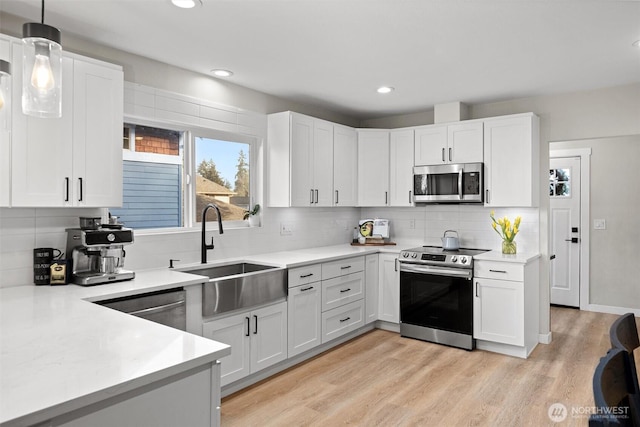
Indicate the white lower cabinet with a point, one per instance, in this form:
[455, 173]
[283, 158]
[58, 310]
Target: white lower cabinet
[303, 307]
[506, 306]
[342, 320]
[258, 339]
[389, 294]
[371, 279]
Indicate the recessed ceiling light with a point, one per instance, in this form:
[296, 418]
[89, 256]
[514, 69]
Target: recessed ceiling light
[385, 89]
[222, 73]
[636, 43]
[186, 4]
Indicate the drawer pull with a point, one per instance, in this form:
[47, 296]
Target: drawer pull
[345, 290]
[304, 276]
[306, 289]
[498, 271]
[345, 267]
[345, 319]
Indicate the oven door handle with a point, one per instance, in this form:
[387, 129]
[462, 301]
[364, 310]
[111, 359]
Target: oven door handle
[427, 269]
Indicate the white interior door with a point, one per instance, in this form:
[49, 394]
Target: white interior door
[564, 193]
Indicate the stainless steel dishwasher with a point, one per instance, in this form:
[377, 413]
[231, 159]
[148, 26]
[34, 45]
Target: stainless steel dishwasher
[165, 307]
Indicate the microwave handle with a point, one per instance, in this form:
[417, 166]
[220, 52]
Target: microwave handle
[460, 172]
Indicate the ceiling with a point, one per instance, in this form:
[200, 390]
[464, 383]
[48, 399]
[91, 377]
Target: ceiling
[335, 53]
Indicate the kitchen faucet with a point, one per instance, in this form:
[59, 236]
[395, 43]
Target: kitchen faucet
[204, 246]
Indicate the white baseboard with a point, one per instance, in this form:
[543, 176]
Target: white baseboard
[545, 338]
[613, 309]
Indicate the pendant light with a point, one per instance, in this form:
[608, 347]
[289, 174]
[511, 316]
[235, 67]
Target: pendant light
[41, 70]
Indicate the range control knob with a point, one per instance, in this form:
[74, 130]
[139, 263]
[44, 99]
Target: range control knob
[405, 254]
[463, 259]
[414, 255]
[111, 237]
[454, 259]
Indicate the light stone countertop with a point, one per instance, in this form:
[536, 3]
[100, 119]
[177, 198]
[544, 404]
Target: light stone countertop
[59, 352]
[497, 255]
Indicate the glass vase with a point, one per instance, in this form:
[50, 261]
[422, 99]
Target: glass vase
[508, 248]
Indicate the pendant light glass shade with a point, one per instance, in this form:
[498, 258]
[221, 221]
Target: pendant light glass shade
[5, 94]
[41, 71]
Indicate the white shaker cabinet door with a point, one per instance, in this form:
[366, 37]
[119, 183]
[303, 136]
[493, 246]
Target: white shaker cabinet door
[401, 168]
[304, 316]
[97, 134]
[233, 331]
[389, 296]
[301, 160]
[498, 311]
[345, 166]
[371, 275]
[42, 149]
[373, 168]
[322, 163]
[268, 336]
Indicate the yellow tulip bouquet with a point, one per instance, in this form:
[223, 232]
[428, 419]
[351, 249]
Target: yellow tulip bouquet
[507, 231]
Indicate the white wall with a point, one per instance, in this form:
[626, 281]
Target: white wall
[614, 197]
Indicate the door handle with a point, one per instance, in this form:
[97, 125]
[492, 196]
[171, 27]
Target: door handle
[337, 197]
[248, 320]
[410, 201]
[80, 199]
[311, 198]
[443, 154]
[255, 331]
[449, 153]
[66, 183]
[572, 240]
[316, 197]
[552, 257]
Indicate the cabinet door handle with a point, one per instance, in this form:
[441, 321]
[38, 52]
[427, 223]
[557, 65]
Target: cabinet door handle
[304, 276]
[247, 333]
[410, 201]
[66, 184]
[316, 196]
[345, 290]
[311, 197]
[306, 289]
[336, 197]
[345, 267]
[395, 264]
[498, 271]
[443, 154]
[477, 290]
[345, 319]
[386, 197]
[80, 180]
[255, 318]
[449, 153]
[488, 200]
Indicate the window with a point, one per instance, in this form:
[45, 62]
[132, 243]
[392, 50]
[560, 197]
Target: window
[170, 175]
[222, 177]
[560, 182]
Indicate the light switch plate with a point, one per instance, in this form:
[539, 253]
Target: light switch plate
[599, 224]
[285, 229]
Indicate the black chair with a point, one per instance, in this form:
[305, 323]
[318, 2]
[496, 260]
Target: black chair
[615, 401]
[624, 335]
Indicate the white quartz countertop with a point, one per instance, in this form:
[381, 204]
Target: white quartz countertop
[60, 352]
[518, 258]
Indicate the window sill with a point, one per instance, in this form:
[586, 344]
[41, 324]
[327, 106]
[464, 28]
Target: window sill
[211, 226]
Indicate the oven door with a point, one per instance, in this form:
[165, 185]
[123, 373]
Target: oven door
[438, 299]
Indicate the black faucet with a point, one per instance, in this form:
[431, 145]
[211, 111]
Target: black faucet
[204, 230]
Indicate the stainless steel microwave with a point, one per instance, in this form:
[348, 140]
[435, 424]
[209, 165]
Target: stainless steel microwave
[453, 183]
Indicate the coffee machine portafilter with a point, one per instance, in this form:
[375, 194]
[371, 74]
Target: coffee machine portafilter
[98, 255]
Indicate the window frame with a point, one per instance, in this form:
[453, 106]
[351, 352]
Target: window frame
[187, 148]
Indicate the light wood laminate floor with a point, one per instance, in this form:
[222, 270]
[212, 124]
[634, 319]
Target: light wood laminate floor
[382, 379]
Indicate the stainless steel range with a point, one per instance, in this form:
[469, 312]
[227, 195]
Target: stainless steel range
[436, 295]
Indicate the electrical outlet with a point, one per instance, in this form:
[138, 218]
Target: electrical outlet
[599, 224]
[412, 224]
[285, 229]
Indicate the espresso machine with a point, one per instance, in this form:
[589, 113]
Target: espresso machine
[97, 255]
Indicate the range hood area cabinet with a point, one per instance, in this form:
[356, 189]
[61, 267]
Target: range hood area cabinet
[301, 161]
[385, 167]
[75, 160]
[450, 143]
[512, 161]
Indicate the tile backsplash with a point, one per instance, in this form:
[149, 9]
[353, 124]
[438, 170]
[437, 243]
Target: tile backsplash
[23, 229]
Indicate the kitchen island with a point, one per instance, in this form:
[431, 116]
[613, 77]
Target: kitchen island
[66, 361]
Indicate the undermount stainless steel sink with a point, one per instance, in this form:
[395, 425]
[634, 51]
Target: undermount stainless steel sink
[240, 285]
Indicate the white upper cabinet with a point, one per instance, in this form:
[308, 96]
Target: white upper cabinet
[512, 161]
[373, 167]
[5, 130]
[401, 168]
[452, 143]
[75, 160]
[345, 166]
[300, 160]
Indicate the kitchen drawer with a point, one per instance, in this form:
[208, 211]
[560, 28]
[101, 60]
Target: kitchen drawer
[342, 267]
[342, 320]
[341, 290]
[303, 275]
[499, 270]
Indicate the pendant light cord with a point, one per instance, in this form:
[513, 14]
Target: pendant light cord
[42, 17]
